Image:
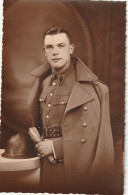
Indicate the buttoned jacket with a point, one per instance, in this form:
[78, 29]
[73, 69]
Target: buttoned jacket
[87, 143]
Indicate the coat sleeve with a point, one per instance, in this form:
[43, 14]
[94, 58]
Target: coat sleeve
[103, 163]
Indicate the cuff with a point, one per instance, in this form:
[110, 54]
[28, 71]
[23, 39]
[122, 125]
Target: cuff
[58, 148]
[53, 151]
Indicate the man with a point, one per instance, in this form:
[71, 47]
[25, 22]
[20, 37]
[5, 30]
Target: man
[70, 107]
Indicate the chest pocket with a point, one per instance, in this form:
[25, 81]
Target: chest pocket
[59, 105]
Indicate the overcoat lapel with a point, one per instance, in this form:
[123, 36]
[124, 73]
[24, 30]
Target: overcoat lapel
[78, 97]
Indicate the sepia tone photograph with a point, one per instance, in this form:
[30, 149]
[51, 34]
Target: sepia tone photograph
[62, 102]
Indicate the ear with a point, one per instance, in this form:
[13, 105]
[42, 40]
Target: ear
[72, 47]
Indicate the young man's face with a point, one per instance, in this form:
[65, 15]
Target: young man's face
[58, 50]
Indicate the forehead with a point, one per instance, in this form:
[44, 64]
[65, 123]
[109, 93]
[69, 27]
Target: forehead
[56, 39]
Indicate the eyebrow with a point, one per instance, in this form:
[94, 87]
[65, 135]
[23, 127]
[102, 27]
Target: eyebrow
[61, 44]
[57, 44]
[48, 45]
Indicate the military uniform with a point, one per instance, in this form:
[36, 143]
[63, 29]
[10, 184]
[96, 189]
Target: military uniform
[73, 110]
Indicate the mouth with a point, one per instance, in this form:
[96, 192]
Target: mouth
[56, 59]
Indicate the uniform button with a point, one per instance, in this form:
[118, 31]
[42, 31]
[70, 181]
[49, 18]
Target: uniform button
[54, 84]
[83, 140]
[40, 99]
[93, 94]
[84, 124]
[51, 94]
[49, 105]
[85, 108]
[47, 116]
[62, 102]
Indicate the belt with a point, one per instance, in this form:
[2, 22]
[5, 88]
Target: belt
[52, 132]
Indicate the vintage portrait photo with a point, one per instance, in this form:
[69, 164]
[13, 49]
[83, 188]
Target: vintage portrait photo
[63, 97]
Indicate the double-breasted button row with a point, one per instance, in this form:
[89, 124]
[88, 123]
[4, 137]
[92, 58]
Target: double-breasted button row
[85, 109]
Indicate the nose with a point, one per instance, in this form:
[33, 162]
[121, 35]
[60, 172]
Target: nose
[55, 51]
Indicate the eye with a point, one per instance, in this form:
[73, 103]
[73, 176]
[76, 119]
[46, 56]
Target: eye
[48, 47]
[61, 45]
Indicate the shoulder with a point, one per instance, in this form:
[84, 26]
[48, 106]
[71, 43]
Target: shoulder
[101, 89]
[41, 71]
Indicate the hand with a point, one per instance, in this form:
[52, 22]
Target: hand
[45, 148]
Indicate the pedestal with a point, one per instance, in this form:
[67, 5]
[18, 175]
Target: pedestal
[19, 175]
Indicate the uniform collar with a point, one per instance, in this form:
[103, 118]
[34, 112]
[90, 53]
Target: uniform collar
[83, 73]
[64, 74]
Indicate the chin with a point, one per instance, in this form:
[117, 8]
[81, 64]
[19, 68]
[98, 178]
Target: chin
[57, 66]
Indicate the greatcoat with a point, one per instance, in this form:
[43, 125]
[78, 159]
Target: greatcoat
[87, 141]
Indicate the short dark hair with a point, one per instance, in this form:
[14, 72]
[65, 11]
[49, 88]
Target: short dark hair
[54, 31]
